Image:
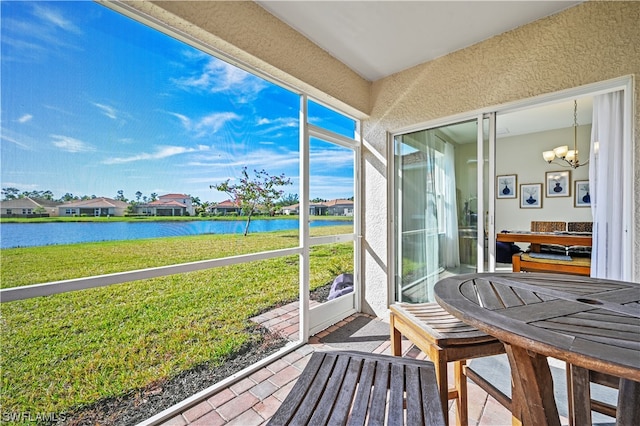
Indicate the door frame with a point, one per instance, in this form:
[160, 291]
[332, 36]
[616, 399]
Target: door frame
[318, 318]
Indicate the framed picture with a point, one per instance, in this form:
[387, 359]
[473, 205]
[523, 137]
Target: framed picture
[558, 184]
[507, 185]
[581, 196]
[531, 196]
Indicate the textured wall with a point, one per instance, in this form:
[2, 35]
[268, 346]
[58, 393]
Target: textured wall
[592, 42]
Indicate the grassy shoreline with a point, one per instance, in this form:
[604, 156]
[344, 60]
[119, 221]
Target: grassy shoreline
[70, 350]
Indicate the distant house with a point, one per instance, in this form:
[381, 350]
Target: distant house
[29, 207]
[292, 209]
[331, 208]
[226, 207]
[101, 206]
[167, 205]
[339, 207]
[315, 209]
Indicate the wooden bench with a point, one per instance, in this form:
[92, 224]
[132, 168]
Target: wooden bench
[444, 338]
[357, 388]
[523, 262]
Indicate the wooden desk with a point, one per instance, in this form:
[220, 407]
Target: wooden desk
[589, 323]
[537, 238]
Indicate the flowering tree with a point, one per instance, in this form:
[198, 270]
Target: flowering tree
[262, 190]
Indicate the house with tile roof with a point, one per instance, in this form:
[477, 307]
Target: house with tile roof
[100, 206]
[225, 207]
[29, 207]
[167, 205]
[315, 209]
[339, 207]
[293, 209]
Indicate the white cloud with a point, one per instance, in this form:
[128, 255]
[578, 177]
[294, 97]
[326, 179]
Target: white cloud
[69, 144]
[214, 122]
[35, 37]
[20, 47]
[226, 76]
[278, 123]
[269, 160]
[217, 76]
[11, 137]
[207, 125]
[25, 118]
[160, 153]
[58, 109]
[107, 110]
[319, 158]
[331, 187]
[186, 122]
[21, 185]
[55, 18]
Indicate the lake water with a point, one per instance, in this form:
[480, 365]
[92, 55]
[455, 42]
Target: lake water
[42, 234]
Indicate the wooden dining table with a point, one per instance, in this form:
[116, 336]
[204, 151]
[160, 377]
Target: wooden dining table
[592, 324]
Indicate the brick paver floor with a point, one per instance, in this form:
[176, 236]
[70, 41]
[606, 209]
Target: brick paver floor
[254, 399]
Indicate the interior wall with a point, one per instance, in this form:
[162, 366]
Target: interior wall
[522, 156]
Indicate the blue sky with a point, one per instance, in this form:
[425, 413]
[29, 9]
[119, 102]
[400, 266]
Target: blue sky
[94, 102]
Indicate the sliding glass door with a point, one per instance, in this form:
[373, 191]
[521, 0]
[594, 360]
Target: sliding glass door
[436, 207]
[446, 209]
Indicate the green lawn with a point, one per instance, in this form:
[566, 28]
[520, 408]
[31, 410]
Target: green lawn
[61, 352]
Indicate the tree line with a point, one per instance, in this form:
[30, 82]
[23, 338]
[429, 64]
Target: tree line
[261, 189]
[11, 193]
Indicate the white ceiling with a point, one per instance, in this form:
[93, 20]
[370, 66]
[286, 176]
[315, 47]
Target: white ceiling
[379, 38]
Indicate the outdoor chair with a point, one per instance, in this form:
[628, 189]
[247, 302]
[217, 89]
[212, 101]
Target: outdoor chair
[444, 339]
[357, 388]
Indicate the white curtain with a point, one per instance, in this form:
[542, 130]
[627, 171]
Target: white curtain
[452, 247]
[610, 207]
[418, 258]
[427, 213]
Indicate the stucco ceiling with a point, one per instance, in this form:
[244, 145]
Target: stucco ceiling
[379, 38]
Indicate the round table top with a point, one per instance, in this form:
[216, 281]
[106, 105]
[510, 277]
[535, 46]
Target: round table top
[589, 322]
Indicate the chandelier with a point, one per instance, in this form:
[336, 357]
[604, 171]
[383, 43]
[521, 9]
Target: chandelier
[563, 153]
